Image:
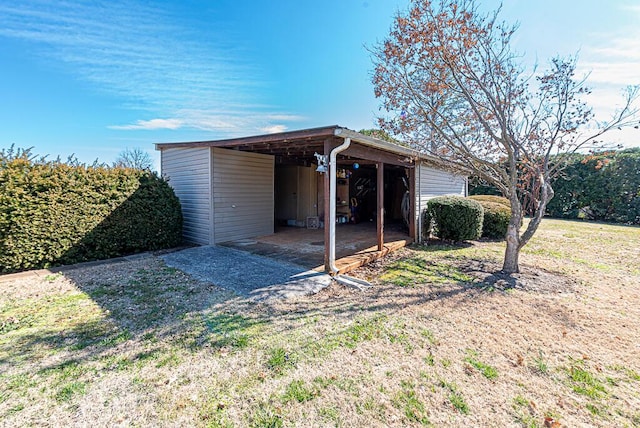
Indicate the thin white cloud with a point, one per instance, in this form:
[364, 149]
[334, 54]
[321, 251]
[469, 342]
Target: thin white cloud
[274, 129]
[613, 58]
[612, 62]
[151, 124]
[617, 63]
[133, 49]
[286, 117]
[231, 123]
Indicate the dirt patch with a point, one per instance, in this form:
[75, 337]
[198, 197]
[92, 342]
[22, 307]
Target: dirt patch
[532, 279]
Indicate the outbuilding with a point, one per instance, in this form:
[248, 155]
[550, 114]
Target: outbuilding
[322, 178]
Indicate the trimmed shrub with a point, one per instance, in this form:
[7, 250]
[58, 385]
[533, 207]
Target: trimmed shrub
[453, 218]
[496, 220]
[493, 199]
[54, 213]
[497, 212]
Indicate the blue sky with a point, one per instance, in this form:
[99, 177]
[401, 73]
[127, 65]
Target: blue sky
[93, 78]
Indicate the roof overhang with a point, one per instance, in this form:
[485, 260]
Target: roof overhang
[299, 146]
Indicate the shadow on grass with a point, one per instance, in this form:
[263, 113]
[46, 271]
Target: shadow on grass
[147, 303]
[437, 245]
[420, 280]
[158, 309]
[161, 309]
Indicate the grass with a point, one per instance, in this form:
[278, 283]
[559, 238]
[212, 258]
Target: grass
[485, 369]
[52, 277]
[417, 270]
[455, 397]
[429, 360]
[523, 412]
[408, 401]
[595, 410]
[266, 417]
[140, 344]
[363, 329]
[115, 339]
[583, 381]
[279, 360]
[231, 330]
[540, 364]
[330, 414]
[431, 338]
[298, 391]
[69, 390]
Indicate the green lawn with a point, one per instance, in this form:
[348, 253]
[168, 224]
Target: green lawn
[141, 344]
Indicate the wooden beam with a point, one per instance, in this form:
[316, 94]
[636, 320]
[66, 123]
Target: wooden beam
[380, 206]
[283, 148]
[363, 257]
[348, 163]
[412, 203]
[326, 206]
[367, 153]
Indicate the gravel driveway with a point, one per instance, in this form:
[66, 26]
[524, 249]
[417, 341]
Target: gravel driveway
[250, 275]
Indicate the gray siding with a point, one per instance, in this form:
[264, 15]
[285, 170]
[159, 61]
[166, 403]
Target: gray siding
[243, 200]
[431, 182]
[188, 172]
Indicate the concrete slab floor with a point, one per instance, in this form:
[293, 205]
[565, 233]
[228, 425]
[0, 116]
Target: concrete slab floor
[305, 247]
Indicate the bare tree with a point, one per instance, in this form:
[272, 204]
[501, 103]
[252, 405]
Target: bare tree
[455, 89]
[134, 158]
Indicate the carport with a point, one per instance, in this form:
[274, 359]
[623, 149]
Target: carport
[243, 188]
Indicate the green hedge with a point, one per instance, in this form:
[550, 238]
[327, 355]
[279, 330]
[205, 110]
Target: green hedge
[497, 213]
[604, 187]
[453, 218]
[54, 213]
[477, 186]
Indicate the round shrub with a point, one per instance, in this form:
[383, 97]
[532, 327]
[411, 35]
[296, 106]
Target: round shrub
[496, 220]
[497, 212]
[492, 198]
[454, 218]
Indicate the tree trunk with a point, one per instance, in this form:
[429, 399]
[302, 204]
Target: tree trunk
[515, 241]
[510, 264]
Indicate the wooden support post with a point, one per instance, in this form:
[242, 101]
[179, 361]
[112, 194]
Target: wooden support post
[326, 207]
[412, 204]
[380, 205]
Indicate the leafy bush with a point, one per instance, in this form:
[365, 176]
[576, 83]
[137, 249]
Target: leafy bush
[604, 187]
[454, 218]
[497, 212]
[54, 213]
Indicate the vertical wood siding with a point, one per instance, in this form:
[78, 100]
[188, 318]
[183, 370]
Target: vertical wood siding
[188, 172]
[431, 182]
[243, 199]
